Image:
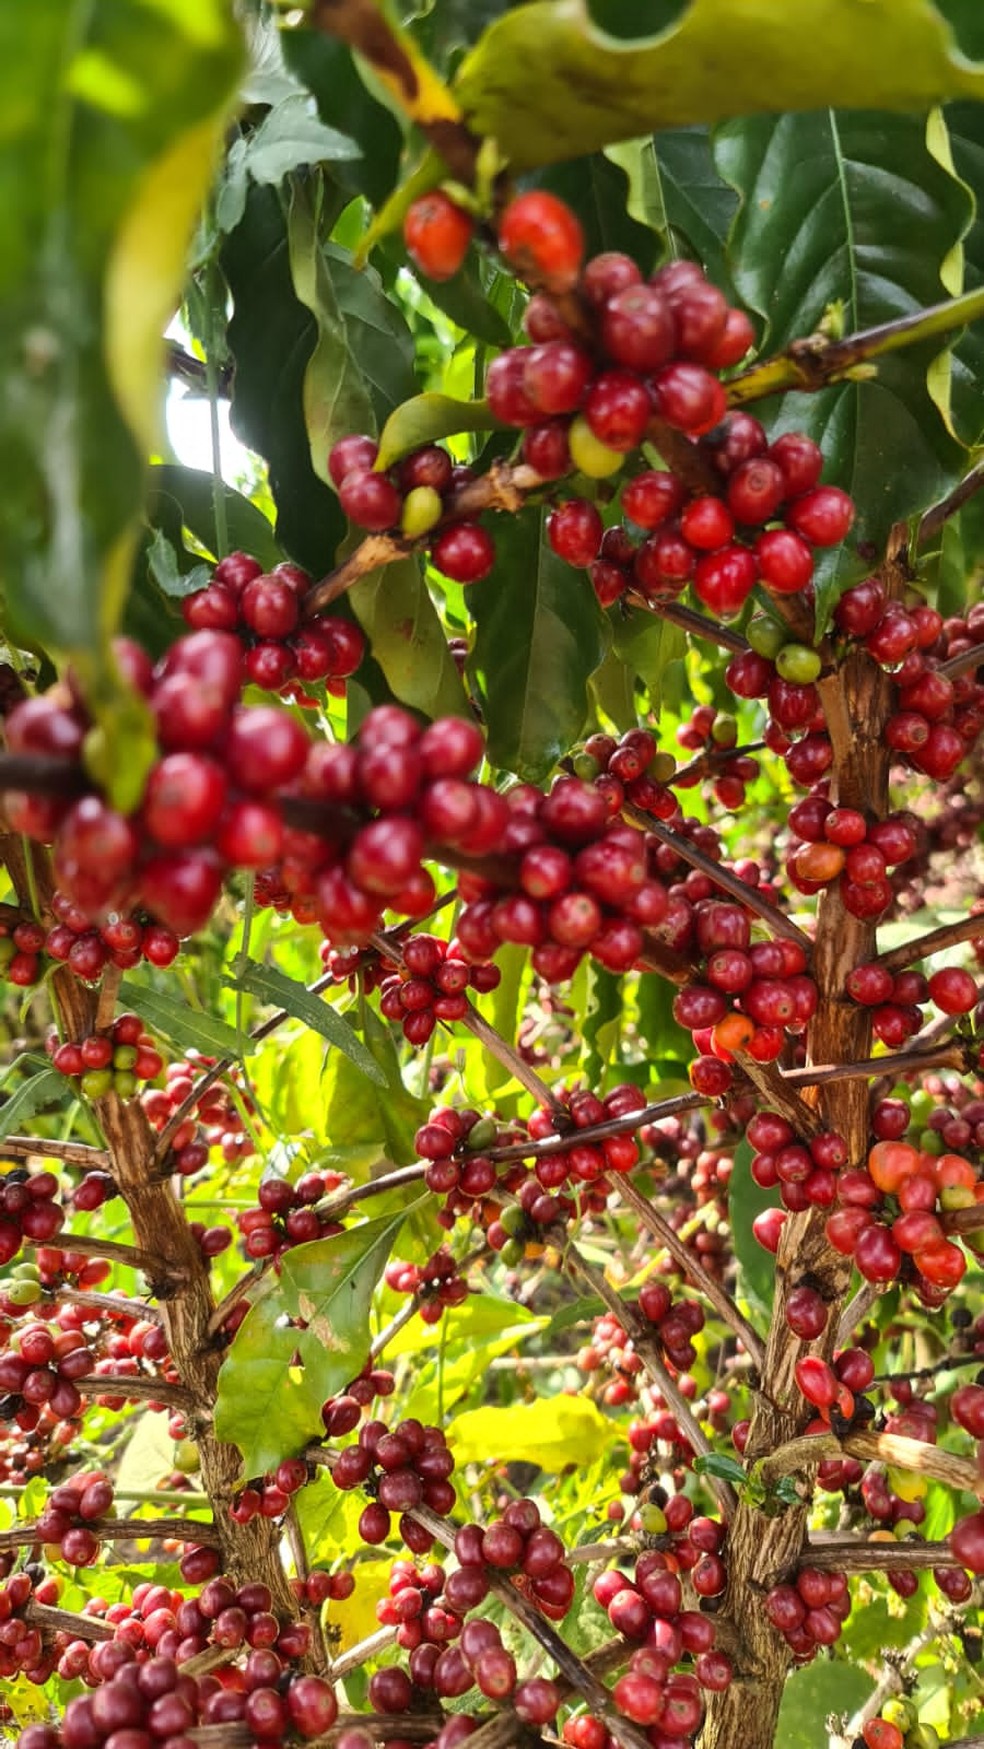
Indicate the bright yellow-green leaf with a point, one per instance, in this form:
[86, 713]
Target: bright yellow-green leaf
[549, 83]
[425, 419]
[552, 1432]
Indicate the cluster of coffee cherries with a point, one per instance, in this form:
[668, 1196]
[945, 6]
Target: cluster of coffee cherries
[29, 1209]
[431, 985]
[843, 845]
[21, 947]
[437, 1283]
[69, 1514]
[269, 1496]
[402, 1467]
[889, 1216]
[897, 1726]
[113, 1062]
[414, 499]
[647, 1607]
[805, 1171]
[809, 1611]
[23, 1647]
[752, 995]
[935, 720]
[286, 1214]
[896, 1000]
[387, 795]
[215, 1118]
[713, 736]
[154, 1701]
[342, 1413]
[283, 652]
[39, 1370]
[123, 942]
[629, 770]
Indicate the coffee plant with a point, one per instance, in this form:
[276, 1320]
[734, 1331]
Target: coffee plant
[492, 926]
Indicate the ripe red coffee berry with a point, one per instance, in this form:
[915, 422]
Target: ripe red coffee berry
[437, 234]
[542, 239]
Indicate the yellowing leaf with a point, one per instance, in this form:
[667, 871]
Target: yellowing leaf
[552, 1432]
[548, 83]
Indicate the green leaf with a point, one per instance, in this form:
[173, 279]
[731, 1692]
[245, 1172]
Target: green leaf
[329, 70]
[602, 1022]
[266, 1405]
[727, 1469]
[192, 490]
[539, 636]
[335, 397]
[395, 610]
[425, 419]
[551, 1432]
[273, 986]
[756, 1265]
[833, 1686]
[467, 299]
[850, 207]
[271, 337]
[675, 187]
[377, 332]
[41, 1089]
[111, 122]
[165, 568]
[548, 82]
[648, 646]
[965, 132]
[186, 1027]
[397, 1111]
[292, 135]
[512, 962]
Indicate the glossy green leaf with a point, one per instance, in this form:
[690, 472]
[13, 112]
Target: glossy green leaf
[377, 332]
[336, 399]
[265, 1404]
[850, 208]
[192, 490]
[675, 187]
[273, 986]
[548, 82]
[187, 1027]
[649, 646]
[329, 70]
[426, 419]
[398, 1112]
[550, 1432]
[539, 636]
[602, 1024]
[271, 337]
[268, 1405]
[502, 1009]
[43, 1088]
[394, 608]
[472, 298]
[112, 118]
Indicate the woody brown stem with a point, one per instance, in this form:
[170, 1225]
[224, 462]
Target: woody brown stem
[924, 946]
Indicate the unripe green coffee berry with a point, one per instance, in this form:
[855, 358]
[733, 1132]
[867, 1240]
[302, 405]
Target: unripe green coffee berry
[766, 635]
[798, 663]
[23, 1293]
[124, 1056]
[7, 950]
[26, 1272]
[186, 1457]
[513, 1220]
[653, 1519]
[931, 1142]
[422, 508]
[922, 1737]
[124, 1083]
[901, 1712]
[724, 730]
[662, 767]
[585, 767]
[483, 1133]
[96, 1083]
[513, 1252]
[588, 455]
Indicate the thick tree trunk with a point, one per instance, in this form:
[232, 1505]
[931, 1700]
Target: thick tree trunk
[762, 1543]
